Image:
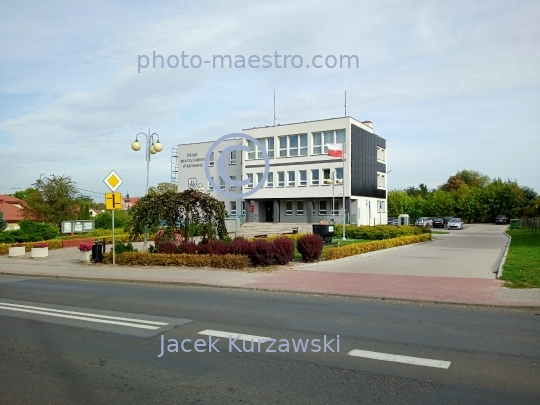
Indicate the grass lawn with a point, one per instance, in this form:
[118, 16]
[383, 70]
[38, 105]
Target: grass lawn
[522, 266]
[335, 243]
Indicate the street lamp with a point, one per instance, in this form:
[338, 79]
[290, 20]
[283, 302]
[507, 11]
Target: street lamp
[152, 147]
[336, 179]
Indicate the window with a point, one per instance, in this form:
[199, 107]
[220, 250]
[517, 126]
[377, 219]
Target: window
[211, 161]
[282, 146]
[303, 178]
[322, 207]
[250, 182]
[381, 206]
[293, 145]
[315, 177]
[339, 172]
[317, 143]
[251, 153]
[381, 181]
[291, 182]
[328, 138]
[326, 175]
[243, 208]
[335, 210]
[340, 136]
[221, 183]
[381, 154]
[233, 208]
[288, 207]
[270, 180]
[259, 178]
[232, 187]
[300, 207]
[232, 158]
[270, 147]
[303, 144]
[281, 179]
[210, 186]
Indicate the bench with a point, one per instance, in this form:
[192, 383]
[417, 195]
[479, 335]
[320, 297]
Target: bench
[260, 236]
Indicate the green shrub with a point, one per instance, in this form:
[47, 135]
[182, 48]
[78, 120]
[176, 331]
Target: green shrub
[189, 260]
[377, 232]
[120, 247]
[359, 248]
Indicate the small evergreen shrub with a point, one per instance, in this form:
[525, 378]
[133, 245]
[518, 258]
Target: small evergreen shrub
[120, 247]
[310, 247]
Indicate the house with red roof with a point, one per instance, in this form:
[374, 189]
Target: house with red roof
[128, 202]
[12, 207]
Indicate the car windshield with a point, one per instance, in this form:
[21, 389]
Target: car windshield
[455, 220]
[437, 219]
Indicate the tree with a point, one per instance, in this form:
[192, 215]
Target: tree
[3, 223]
[24, 194]
[164, 187]
[104, 219]
[471, 178]
[174, 210]
[54, 201]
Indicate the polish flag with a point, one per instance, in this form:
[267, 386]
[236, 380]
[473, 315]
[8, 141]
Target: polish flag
[335, 149]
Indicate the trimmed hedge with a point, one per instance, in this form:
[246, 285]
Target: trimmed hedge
[377, 232]
[271, 238]
[188, 260]
[359, 248]
[52, 244]
[310, 247]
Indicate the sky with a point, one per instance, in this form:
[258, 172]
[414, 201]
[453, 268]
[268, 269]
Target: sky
[450, 85]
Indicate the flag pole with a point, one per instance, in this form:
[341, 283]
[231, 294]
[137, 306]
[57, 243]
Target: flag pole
[344, 238]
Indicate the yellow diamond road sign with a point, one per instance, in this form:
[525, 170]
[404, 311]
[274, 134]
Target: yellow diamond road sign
[113, 181]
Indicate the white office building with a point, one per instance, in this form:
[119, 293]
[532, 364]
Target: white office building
[297, 189]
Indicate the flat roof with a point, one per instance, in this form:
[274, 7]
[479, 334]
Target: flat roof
[305, 122]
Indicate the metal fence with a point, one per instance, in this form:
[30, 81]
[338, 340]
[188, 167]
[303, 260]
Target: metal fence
[530, 224]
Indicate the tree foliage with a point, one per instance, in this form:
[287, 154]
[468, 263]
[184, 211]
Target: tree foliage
[24, 194]
[54, 201]
[104, 219]
[468, 194]
[3, 223]
[164, 187]
[173, 211]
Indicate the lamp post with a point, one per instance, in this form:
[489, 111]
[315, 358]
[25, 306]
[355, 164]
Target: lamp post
[152, 147]
[334, 179]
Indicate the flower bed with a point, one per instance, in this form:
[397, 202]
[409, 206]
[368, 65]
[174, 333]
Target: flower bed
[52, 244]
[359, 248]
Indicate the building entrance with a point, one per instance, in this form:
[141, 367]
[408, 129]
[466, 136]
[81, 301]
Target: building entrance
[269, 211]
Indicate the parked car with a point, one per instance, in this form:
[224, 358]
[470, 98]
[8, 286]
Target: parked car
[438, 223]
[501, 219]
[395, 222]
[391, 220]
[423, 221]
[446, 220]
[455, 223]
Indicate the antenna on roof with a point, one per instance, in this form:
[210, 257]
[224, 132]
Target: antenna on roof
[345, 94]
[274, 105]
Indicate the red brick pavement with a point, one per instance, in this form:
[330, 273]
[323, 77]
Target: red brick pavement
[441, 289]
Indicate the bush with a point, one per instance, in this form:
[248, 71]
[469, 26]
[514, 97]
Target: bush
[213, 247]
[189, 260]
[310, 247]
[188, 248]
[103, 220]
[283, 250]
[239, 246]
[166, 246]
[120, 247]
[359, 248]
[377, 232]
[261, 253]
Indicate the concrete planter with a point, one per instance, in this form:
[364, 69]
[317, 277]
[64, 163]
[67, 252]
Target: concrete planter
[39, 253]
[16, 251]
[86, 256]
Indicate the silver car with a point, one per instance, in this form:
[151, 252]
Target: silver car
[423, 221]
[455, 223]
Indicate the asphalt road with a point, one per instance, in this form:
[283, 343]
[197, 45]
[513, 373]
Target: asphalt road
[78, 342]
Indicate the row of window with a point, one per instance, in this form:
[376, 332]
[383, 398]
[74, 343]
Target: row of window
[300, 208]
[297, 145]
[289, 178]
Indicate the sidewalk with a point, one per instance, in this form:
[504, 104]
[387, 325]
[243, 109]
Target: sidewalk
[304, 278]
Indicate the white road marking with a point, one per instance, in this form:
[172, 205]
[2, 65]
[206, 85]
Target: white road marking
[417, 361]
[88, 319]
[234, 335]
[83, 313]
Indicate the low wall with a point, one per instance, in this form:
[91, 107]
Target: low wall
[67, 243]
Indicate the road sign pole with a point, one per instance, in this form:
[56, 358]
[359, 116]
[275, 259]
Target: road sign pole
[113, 244]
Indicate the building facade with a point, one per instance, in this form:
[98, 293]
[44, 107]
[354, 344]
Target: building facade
[297, 189]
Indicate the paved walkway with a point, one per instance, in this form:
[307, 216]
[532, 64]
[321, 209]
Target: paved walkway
[455, 268]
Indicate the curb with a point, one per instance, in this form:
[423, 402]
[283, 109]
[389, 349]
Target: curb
[270, 290]
[503, 259]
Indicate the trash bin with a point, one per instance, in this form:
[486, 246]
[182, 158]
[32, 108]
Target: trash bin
[514, 224]
[326, 232]
[97, 251]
